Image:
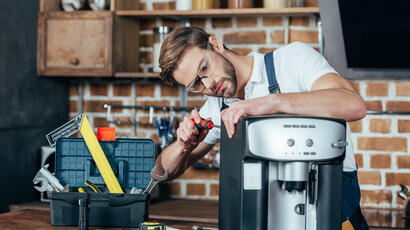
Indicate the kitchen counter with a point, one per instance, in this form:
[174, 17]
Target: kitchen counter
[180, 214]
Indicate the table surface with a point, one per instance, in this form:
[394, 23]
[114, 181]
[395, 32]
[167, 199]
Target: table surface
[180, 214]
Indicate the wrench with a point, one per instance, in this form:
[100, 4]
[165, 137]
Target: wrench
[155, 179]
[47, 180]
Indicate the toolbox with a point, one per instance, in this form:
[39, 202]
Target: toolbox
[130, 159]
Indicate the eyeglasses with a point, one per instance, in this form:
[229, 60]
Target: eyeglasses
[197, 86]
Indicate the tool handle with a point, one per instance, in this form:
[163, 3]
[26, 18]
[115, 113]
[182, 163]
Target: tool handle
[204, 124]
[83, 220]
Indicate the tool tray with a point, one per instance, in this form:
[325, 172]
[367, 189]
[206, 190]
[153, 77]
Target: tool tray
[131, 161]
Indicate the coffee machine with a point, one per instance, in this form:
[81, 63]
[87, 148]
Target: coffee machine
[282, 173]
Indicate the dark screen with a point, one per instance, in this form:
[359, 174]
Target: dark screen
[376, 33]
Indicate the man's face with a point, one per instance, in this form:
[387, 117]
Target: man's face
[211, 72]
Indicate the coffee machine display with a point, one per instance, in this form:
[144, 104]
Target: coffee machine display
[282, 172]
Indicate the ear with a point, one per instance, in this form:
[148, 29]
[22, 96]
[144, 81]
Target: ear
[216, 45]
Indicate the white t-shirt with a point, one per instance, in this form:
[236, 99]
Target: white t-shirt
[297, 67]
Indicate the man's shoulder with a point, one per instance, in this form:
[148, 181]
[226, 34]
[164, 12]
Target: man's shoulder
[294, 46]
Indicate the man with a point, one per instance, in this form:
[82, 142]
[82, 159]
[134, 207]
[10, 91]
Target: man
[308, 84]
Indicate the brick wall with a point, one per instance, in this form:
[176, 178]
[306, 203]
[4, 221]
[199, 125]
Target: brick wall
[381, 141]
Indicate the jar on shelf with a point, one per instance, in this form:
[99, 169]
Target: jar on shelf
[160, 33]
[275, 4]
[240, 4]
[183, 5]
[202, 4]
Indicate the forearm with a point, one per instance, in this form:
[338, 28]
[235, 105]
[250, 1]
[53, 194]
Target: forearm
[173, 158]
[336, 102]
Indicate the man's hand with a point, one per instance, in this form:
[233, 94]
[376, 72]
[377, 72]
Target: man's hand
[257, 106]
[188, 135]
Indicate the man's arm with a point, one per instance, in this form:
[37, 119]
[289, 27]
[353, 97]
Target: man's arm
[330, 96]
[185, 150]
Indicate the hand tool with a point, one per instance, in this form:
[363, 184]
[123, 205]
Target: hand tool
[207, 124]
[47, 180]
[80, 123]
[92, 186]
[152, 226]
[155, 179]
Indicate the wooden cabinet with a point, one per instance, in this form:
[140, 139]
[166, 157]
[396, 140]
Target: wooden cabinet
[86, 43]
[75, 44]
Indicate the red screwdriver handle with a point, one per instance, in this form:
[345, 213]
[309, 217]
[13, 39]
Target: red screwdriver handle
[207, 124]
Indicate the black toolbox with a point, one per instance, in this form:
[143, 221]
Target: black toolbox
[131, 161]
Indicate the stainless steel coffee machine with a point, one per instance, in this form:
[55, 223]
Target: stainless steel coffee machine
[282, 173]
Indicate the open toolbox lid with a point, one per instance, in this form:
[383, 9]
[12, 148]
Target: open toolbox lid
[130, 159]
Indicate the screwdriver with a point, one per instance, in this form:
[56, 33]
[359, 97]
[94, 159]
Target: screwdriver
[207, 124]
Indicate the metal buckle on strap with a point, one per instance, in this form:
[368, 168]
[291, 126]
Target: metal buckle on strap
[274, 88]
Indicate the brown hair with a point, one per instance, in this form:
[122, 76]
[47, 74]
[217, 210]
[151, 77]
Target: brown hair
[174, 46]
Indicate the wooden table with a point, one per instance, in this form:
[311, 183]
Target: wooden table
[180, 214]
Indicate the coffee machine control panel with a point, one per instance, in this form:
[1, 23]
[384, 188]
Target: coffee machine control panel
[296, 138]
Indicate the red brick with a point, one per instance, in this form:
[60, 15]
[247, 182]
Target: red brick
[383, 143]
[123, 122]
[153, 103]
[148, 24]
[403, 162]
[403, 126]
[73, 90]
[141, 134]
[169, 91]
[376, 196]
[356, 126]
[242, 51]
[194, 173]
[214, 189]
[356, 86]
[155, 138]
[118, 134]
[299, 21]
[171, 23]
[377, 89]
[398, 106]
[403, 89]
[143, 6]
[221, 23]
[369, 177]
[264, 50]
[303, 36]
[246, 22]
[195, 189]
[163, 5]
[175, 189]
[145, 90]
[100, 122]
[378, 218]
[72, 106]
[380, 125]
[248, 37]
[380, 161]
[99, 90]
[146, 40]
[122, 90]
[394, 179]
[374, 105]
[277, 37]
[198, 22]
[146, 57]
[272, 21]
[98, 106]
[359, 160]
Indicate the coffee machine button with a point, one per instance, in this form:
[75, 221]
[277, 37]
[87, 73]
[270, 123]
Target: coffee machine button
[291, 142]
[309, 142]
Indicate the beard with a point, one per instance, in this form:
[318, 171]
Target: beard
[230, 82]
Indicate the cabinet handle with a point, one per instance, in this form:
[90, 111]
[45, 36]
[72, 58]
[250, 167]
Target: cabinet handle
[74, 61]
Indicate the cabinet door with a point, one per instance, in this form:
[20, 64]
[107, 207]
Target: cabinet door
[75, 43]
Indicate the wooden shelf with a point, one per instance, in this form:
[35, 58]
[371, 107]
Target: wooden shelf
[294, 11]
[136, 75]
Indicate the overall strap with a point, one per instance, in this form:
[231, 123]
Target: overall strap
[270, 71]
